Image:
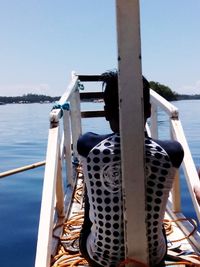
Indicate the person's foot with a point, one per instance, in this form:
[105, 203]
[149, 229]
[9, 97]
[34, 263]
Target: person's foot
[197, 193]
[197, 190]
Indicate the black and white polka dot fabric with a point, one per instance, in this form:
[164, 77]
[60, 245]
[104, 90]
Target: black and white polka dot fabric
[159, 179]
[102, 169]
[105, 243]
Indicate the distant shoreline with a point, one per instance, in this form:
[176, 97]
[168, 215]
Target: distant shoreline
[43, 99]
[21, 102]
[27, 99]
[188, 97]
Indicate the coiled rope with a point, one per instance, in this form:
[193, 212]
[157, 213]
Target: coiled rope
[64, 106]
[68, 254]
[169, 227]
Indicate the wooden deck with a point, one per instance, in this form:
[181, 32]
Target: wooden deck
[183, 239]
[67, 253]
[180, 242]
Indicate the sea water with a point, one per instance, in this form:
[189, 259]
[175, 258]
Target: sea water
[23, 141]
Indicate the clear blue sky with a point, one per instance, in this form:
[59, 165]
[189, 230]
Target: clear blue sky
[41, 42]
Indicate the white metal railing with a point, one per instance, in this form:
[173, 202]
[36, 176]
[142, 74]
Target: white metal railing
[177, 133]
[61, 152]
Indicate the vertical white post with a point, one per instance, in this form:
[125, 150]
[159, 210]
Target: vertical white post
[67, 145]
[176, 192]
[176, 195]
[75, 119]
[59, 189]
[154, 121]
[132, 127]
[44, 243]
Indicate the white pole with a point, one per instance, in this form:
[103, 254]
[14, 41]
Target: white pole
[132, 127]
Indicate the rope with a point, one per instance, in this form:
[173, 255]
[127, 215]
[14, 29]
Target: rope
[68, 254]
[189, 260]
[78, 195]
[65, 106]
[169, 227]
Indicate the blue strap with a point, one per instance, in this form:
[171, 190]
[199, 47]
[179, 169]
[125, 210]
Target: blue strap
[65, 106]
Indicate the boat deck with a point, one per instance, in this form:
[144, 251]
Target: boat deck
[183, 240]
[68, 248]
[181, 250]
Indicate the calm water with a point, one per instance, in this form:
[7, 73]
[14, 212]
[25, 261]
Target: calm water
[24, 130]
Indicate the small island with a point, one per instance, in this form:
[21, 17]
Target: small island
[28, 98]
[170, 95]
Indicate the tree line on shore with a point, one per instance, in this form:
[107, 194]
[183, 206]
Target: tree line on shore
[28, 98]
[161, 89]
[170, 95]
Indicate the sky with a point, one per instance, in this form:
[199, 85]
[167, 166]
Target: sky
[42, 41]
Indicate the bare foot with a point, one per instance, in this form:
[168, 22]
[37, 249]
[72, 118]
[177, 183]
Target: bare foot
[197, 193]
[197, 189]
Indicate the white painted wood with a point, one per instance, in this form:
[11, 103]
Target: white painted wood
[154, 121]
[55, 114]
[189, 168]
[177, 133]
[132, 128]
[176, 196]
[62, 146]
[68, 147]
[148, 130]
[185, 226]
[53, 173]
[59, 190]
[132, 167]
[75, 120]
[158, 100]
[70, 89]
[176, 192]
[43, 253]
[57, 232]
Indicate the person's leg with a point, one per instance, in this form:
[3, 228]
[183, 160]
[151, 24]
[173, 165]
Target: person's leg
[162, 263]
[83, 249]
